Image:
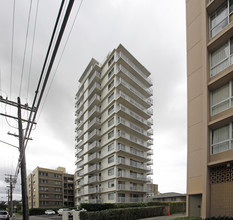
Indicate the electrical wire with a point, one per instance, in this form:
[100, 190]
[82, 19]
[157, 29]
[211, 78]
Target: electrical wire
[25, 48]
[34, 33]
[12, 47]
[55, 72]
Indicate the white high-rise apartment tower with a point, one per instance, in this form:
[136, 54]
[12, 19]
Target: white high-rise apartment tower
[113, 130]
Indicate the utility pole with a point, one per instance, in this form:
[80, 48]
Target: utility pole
[12, 180]
[23, 165]
[22, 157]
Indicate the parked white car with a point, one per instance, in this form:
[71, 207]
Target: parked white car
[50, 212]
[4, 215]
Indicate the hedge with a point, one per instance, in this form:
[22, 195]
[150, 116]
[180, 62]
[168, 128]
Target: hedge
[37, 211]
[176, 207]
[103, 206]
[123, 213]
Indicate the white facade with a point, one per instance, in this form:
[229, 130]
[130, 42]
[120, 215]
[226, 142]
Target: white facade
[113, 130]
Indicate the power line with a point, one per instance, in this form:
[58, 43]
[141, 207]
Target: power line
[12, 46]
[25, 48]
[60, 58]
[35, 24]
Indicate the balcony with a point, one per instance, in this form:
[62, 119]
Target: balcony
[131, 163]
[94, 100]
[93, 145]
[132, 128]
[145, 123]
[135, 176]
[93, 134]
[93, 168]
[79, 144]
[145, 112]
[78, 106]
[95, 122]
[96, 109]
[133, 139]
[138, 70]
[94, 179]
[149, 91]
[128, 200]
[80, 163]
[97, 76]
[96, 87]
[93, 190]
[146, 102]
[80, 153]
[137, 153]
[94, 157]
[130, 188]
[95, 201]
[79, 134]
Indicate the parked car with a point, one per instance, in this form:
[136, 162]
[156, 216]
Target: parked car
[50, 212]
[4, 215]
[61, 210]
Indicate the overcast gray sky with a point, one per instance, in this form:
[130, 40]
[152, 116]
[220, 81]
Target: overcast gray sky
[152, 30]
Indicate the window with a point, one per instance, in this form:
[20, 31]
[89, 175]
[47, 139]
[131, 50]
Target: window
[111, 172]
[221, 58]
[121, 159]
[110, 85]
[110, 183]
[43, 174]
[57, 175]
[111, 122]
[219, 19]
[111, 72]
[133, 186]
[111, 97]
[111, 109]
[110, 146]
[111, 159]
[111, 134]
[111, 60]
[221, 98]
[43, 181]
[110, 196]
[221, 139]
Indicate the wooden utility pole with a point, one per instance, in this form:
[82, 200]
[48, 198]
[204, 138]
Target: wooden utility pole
[12, 180]
[23, 165]
[22, 158]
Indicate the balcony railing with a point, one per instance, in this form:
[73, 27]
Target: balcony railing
[95, 97]
[94, 109]
[95, 74]
[127, 199]
[147, 122]
[149, 101]
[133, 139]
[135, 79]
[133, 151]
[133, 102]
[136, 164]
[93, 133]
[95, 201]
[127, 60]
[93, 121]
[94, 167]
[94, 190]
[94, 179]
[94, 156]
[95, 86]
[93, 144]
[133, 126]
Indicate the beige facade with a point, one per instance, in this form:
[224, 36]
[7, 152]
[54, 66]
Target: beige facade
[210, 113]
[49, 188]
[113, 130]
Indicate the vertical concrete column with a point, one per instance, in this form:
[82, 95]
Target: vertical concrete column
[65, 215]
[76, 215]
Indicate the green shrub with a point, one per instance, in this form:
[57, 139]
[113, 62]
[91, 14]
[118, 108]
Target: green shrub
[123, 213]
[92, 207]
[36, 211]
[176, 207]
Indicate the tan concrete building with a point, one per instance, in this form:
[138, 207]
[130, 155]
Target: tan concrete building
[113, 130]
[210, 112]
[49, 188]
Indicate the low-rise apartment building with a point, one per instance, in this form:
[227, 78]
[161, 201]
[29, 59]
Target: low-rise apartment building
[49, 188]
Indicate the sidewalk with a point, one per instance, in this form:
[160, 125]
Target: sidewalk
[167, 217]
